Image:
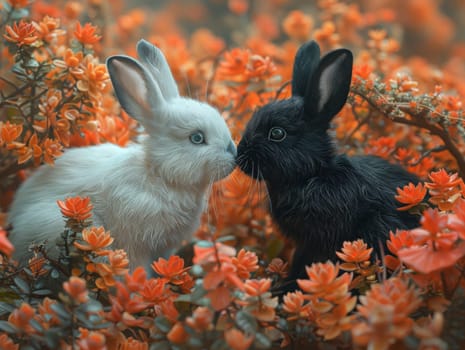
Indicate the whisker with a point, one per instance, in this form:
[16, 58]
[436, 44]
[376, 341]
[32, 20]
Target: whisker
[188, 85]
[267, 193]
[207, 86]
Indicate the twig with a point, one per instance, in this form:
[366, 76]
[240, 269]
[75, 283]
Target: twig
[427, 153]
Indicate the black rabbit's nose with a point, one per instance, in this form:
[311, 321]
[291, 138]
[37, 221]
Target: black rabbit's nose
[232, 149]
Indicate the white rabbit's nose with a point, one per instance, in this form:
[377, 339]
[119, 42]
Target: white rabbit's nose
[232, 149]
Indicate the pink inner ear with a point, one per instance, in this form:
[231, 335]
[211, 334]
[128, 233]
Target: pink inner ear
[133, 83]
[327, 82]
[325, 86]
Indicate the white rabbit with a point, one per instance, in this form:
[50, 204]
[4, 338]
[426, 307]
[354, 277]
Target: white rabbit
[150, 195]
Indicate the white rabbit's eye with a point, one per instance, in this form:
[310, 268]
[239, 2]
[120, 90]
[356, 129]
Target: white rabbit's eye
[277, 134]
[197, 138]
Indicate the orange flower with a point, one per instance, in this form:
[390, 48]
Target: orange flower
[170, 268]
[206, 252]
[47, 314]
[294, 304]
[125, 301]
[401, 239]
[201, 319]
[76, 208]
[279, 267]
[433, 229]
[238, 7]
[257, 287]
[136, 280]
[444, 188]
[178, 334]
[132, 344]
[330, 299]
[119, 262]
[456, 221]
[153, 290]
[324, 281]
[168, 309]
[86, 35]
[385, 310]
[411, 195]
[355, 251]
[5, 245]
[238, 340]
[245, 262]
[260, 68]
[95, 238]
[36, 264]
[436, 248]
[9, 132]
[217, 282]
[297, 25]
[77, 289]
[47, 28]
[93, 78]
[19, 3]
[92, 340]
[382, 147]
[234, 65]
[21, 318]
[7, 343]
[362, 71]
[21, 33]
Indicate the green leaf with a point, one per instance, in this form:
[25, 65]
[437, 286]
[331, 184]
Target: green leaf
[246, 322]
[163, 324]
[92, 306]
[61, 312]
[55, 274]
[36, 325]
[7, 327]
[262, 342]
[228, 238]
[22, 285]
[219, 344]
[6, 308]
[204, 244]
[163, 345]
[19, 14]
[42, 292]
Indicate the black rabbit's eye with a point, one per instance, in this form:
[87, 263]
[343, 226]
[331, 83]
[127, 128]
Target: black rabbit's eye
[277, 134]
[197, 138]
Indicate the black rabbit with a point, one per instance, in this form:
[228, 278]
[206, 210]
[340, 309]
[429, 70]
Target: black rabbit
[318, 198]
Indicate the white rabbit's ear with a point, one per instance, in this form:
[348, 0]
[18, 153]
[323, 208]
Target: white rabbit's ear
[137, 92]
[154, 60]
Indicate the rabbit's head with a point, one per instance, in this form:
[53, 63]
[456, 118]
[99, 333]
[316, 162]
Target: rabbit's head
[287, 140]
[188, 143]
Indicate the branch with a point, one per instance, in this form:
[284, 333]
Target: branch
[417, 119]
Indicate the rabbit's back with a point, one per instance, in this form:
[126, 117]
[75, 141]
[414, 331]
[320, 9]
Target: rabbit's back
[351, 199]
[144, 216]
[35, 215]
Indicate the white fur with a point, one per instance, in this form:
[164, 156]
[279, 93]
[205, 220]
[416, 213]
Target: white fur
[149, 195]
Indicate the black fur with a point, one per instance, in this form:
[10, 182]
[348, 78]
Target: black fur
[318, 198]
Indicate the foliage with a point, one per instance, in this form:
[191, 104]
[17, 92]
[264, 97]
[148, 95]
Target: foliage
[217, 292]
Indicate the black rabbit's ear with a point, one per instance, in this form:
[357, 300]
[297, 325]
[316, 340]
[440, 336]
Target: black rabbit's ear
[329, 87]
[305, 63]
